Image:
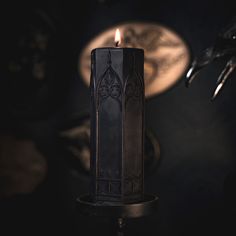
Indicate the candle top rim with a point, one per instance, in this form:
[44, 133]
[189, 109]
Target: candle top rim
[117, 48]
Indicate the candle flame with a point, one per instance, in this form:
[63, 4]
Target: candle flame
[117, 38]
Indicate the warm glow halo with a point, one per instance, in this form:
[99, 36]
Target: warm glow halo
[166, 54]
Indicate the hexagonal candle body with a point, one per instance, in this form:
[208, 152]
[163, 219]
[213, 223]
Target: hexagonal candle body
[117, 125]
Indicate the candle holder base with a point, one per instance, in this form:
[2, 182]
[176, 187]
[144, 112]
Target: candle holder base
[147, 206]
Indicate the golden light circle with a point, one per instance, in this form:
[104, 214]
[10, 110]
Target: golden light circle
[166, 54]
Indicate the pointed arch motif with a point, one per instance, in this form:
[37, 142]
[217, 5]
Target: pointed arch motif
[134, 85]
[109, 85]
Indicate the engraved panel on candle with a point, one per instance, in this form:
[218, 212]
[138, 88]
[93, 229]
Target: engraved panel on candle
[133, 128]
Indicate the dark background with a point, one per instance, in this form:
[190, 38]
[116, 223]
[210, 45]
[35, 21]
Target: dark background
[197, 174]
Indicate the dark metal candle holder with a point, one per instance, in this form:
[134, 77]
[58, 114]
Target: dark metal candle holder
[117, 136]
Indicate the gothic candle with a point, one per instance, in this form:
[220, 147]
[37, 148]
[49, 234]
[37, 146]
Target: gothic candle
[117, 124]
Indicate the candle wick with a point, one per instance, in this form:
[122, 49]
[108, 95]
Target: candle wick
[117, 43]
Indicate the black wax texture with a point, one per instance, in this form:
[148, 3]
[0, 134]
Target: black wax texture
[117, 118]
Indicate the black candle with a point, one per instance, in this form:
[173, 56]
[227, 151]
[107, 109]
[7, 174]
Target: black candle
[117, 125]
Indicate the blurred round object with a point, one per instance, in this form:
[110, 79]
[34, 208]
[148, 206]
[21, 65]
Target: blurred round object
[31, 81]
[151, 153]
[166, 54]
[76, 139]
[22, 167]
